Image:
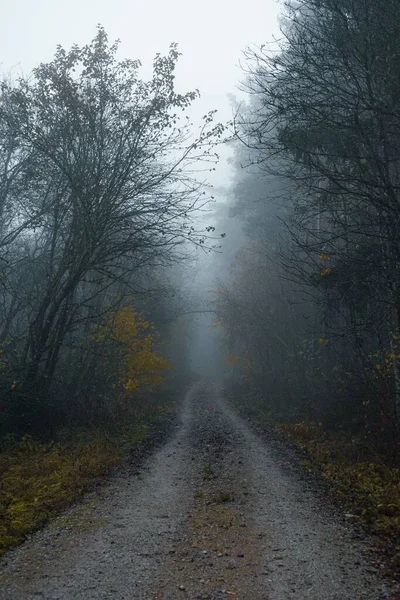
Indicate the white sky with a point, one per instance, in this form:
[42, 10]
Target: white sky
[211, 35]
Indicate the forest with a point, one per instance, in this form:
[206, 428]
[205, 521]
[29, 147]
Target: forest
[311, 311]
[105, 207]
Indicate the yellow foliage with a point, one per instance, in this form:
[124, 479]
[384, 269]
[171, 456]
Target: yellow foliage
[326, 271]
[216, 323]
[136, 364]
[324, 256]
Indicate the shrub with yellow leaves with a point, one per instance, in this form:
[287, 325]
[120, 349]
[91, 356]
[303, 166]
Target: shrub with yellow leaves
[135, 364]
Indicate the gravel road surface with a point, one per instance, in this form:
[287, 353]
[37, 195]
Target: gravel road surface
[216, 512]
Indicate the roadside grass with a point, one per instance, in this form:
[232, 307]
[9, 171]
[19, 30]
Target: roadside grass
[38, 480]
[370, 488]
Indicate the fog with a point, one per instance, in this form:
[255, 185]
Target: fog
[200, 239]
[211, 37]
[152, 234]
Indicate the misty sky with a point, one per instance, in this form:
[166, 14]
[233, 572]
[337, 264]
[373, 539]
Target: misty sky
[211, 35]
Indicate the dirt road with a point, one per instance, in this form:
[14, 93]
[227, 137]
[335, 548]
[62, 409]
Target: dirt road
[215, 513]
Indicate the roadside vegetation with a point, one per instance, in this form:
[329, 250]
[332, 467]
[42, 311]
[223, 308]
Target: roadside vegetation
[38, 478]
[368, 483]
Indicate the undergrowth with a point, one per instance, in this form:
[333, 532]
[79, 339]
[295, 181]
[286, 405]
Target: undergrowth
[38, 479]
[370, 487]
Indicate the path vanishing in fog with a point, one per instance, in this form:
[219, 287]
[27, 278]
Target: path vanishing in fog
[214, 513]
